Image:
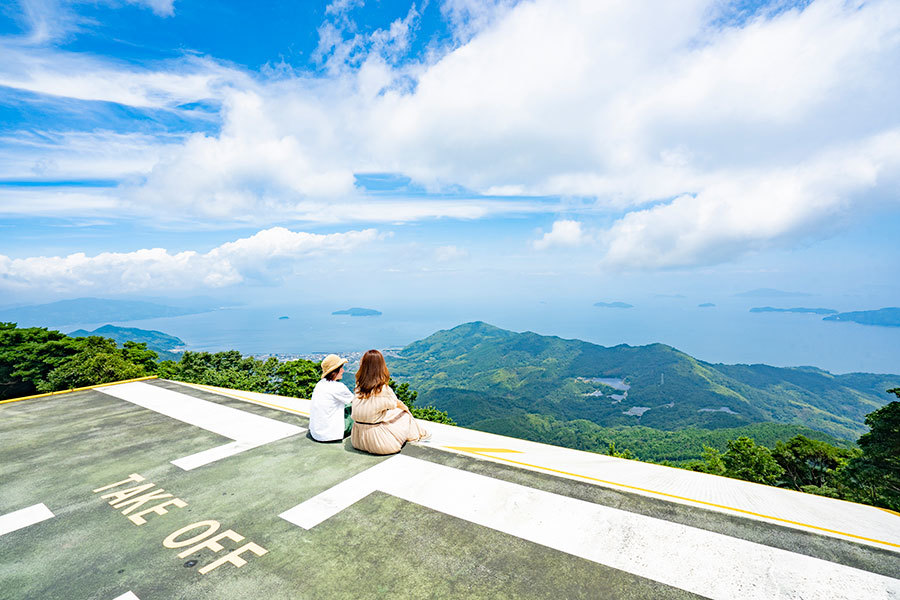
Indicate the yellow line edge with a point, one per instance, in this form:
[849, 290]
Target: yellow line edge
[80, 389]
[723, 506]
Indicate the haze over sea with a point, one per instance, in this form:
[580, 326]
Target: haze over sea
[726, 333]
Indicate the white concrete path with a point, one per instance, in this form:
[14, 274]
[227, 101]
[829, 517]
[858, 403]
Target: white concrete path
[248, 430]
[824, 516]
[656, 549]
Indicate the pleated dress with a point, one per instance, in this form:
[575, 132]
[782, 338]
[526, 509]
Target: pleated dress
[379, 427]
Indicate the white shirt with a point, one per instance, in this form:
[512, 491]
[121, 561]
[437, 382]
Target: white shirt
[326, 414]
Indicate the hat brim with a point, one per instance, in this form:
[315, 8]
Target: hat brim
[343, 362]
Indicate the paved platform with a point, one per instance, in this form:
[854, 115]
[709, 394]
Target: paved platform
[164, 490]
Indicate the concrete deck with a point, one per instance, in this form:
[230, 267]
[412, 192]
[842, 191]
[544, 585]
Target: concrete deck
[159, 489]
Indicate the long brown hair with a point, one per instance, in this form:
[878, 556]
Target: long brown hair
[372, 374]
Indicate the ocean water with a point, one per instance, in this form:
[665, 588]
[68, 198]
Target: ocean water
[727, 333]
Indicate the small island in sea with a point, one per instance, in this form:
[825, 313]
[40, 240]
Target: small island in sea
[885, 317]
[358, 312]
[706, 305]
[813, 311]
[613, 305]
[282, 318]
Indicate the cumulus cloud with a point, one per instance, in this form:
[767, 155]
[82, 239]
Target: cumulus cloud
[268, 255]
[666, 112]
[564, 233]
[744, 211]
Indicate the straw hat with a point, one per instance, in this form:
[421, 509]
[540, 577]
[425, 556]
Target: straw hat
[332, 362]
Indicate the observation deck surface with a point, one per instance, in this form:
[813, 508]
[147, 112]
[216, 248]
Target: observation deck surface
[160, 490]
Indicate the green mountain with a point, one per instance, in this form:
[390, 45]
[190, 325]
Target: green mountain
[480, 373]
[159, 342]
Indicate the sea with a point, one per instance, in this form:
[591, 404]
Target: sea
[725, 333]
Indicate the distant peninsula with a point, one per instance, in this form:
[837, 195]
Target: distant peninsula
[813, 311]
[885, 317]
[358, 312]
[613, 305]
[706, 305]
[168, 347]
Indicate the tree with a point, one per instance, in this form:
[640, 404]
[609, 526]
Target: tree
[99, 361]
[139, 354]
[808, 462]
[612, 451]
[711, 462]
[297, 378]
[428, 413]
[875, 475]
[28, 355]
[748, 461]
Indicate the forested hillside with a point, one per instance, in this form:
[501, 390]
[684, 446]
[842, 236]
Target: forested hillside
[479, 373]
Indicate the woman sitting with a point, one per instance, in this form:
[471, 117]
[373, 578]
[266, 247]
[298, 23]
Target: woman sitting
[382, 424]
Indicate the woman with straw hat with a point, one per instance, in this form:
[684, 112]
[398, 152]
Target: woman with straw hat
[382, 423]
[329, 419]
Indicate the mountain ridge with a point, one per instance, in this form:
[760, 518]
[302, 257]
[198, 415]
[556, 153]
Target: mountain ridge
[478, 371]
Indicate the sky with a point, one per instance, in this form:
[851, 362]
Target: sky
[367, 152]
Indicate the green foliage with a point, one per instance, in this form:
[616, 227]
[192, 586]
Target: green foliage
[36, 359]
[297, 378]
[230, 369]
[478, 372]
[711, 462]
[747, 460]
[874, 477]
[28, 355]
[139, 354]
[810, 463]
[612, 451]
[427, 413]
[99, 361]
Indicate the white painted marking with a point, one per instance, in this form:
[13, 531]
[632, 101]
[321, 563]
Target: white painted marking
[787, 508]
[248, 430]
[699, 561]
[129, 595]
[24, 517]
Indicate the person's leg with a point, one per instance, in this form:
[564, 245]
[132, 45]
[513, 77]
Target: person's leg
[348, 421]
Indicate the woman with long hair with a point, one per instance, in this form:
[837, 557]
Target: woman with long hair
[382, 424]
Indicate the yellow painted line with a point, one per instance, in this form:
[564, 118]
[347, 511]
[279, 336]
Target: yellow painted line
[468, 449]
[81, 389]
[219, 391]
[887, 510]
[713, 504]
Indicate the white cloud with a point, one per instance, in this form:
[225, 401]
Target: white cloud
[268, 255]
[83, 77]
[161, 8]
[450, 253]
[631, 104]
[565, 233]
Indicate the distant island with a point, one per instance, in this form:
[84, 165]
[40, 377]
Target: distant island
[613, 305]
[813, 311]
[166, 346]
[706, 305]
[770, 293]
[358, 312]
[93, 310]
[283, 318]
[885, 317]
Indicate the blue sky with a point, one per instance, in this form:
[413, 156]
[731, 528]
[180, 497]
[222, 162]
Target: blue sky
[475, 150]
